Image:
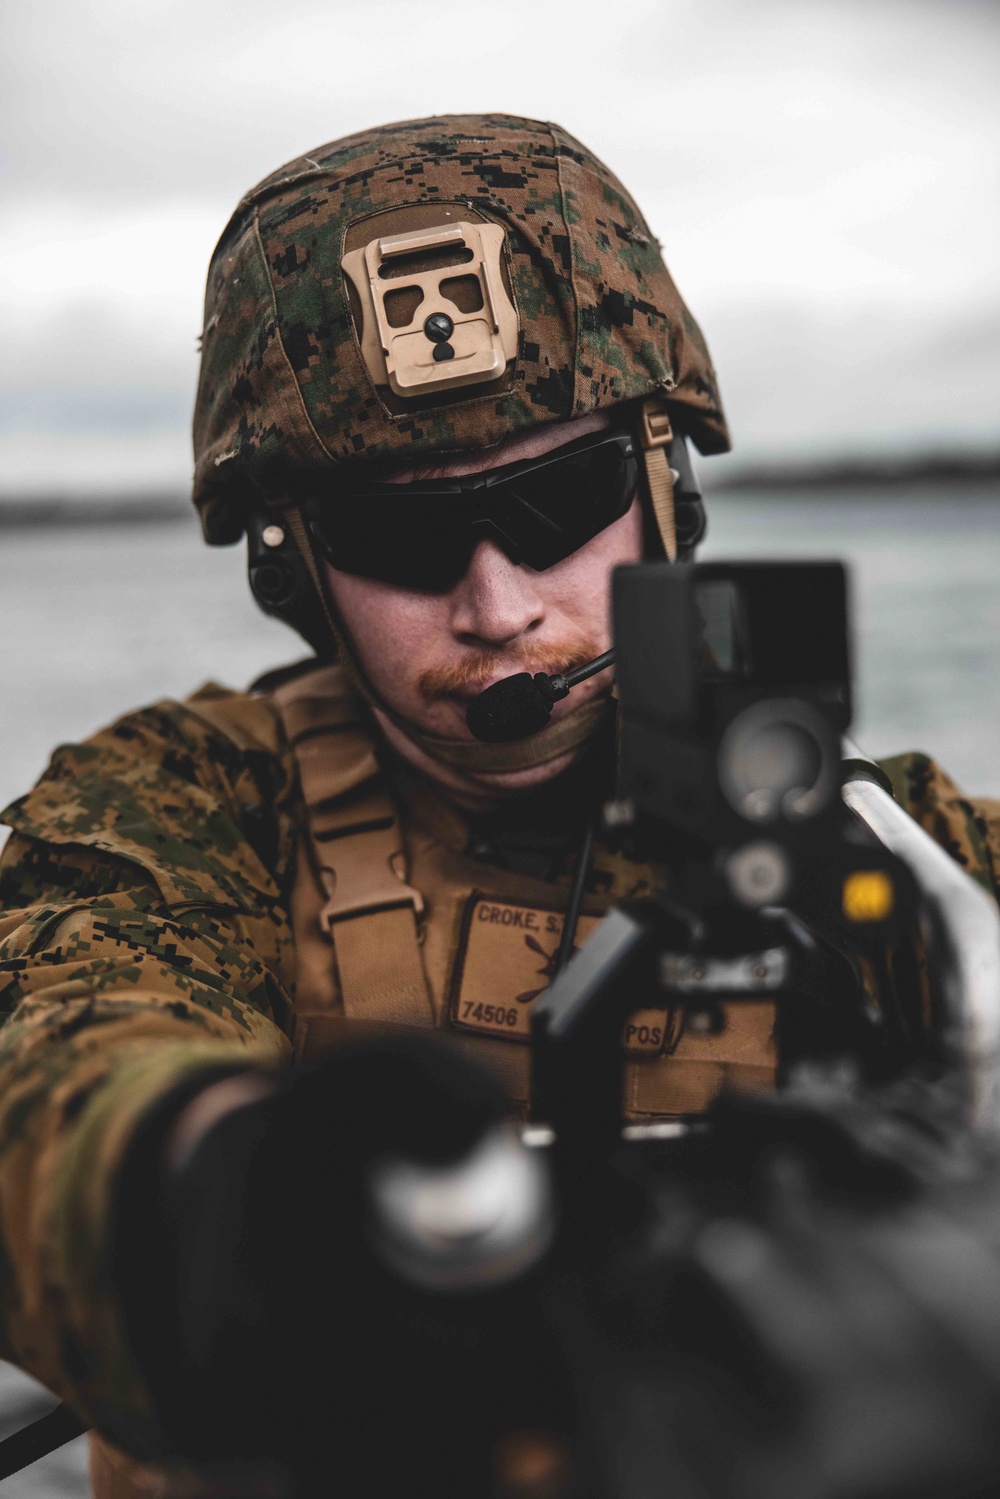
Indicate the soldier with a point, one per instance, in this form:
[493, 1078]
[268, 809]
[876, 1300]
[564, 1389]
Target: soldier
[445, 384]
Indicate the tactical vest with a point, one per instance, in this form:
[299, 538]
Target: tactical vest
[396, 923]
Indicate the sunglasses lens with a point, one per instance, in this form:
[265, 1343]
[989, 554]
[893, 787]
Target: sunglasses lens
[406, 543]
[424, 540]
[559, 508]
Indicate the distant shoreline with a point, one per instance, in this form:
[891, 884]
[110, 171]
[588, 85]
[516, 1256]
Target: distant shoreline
[887, 473]
[18, 513]
[21, 512]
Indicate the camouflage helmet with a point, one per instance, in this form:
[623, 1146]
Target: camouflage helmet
[295, 380]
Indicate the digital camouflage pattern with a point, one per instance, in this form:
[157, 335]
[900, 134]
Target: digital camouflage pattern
[145, 936]
[969, 828]
[284, 395]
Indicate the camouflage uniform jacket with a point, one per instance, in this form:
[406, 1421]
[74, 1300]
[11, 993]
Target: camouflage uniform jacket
[145, 935]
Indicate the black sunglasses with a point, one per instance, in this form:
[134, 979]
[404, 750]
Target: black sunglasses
[423, 535]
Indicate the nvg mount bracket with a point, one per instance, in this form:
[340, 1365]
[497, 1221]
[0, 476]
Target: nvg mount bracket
[447, 340]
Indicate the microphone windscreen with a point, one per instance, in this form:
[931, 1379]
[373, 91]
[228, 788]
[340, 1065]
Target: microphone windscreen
[511, 709]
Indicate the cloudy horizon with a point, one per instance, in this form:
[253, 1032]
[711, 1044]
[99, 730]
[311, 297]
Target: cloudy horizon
[823, 178]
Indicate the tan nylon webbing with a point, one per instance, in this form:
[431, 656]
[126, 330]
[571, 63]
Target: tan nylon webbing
[357, 848]
[655, 436]
[381, 975]
[661, 495]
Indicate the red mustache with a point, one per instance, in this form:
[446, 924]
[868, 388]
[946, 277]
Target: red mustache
[476, 669]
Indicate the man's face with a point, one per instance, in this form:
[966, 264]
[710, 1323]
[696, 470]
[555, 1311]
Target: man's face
[427, 654]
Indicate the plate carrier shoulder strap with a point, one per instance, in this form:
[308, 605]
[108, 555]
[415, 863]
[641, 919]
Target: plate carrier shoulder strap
[357, 848]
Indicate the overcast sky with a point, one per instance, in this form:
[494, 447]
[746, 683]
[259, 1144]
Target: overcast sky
[825, 178]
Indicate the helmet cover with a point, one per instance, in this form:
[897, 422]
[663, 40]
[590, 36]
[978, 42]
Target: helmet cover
[293, 382]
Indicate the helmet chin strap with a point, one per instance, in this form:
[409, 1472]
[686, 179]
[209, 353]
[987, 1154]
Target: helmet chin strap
[566, 734]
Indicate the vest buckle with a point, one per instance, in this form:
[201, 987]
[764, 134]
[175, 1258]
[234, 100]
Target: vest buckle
[363, 878]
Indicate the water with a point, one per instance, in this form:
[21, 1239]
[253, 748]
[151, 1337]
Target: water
[93, 623]
[925, 573]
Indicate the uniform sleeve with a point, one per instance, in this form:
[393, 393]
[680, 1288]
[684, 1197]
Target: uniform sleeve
[967, 827]
[143, 940]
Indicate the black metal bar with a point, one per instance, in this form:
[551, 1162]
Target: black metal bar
[590, 669]
[576, 1029]
[38, 1439]
[568, 939]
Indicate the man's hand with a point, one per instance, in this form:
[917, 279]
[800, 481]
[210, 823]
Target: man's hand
[281, 1311]
[207, 1109]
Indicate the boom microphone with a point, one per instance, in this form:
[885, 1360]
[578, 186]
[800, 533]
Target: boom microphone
[522, 704]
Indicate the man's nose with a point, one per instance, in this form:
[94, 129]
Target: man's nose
[496, 601]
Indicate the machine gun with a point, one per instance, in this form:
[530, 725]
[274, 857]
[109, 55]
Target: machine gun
[791, 871]
[799, 1294]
